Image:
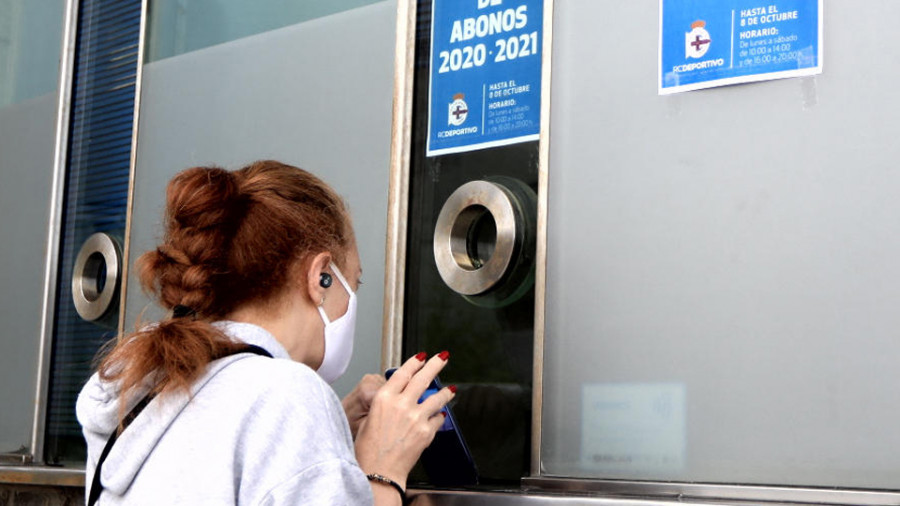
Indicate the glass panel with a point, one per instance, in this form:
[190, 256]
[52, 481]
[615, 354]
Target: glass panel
[30, 42]
[723, 265]
[326, 108]
[96, 198]
[181, 26]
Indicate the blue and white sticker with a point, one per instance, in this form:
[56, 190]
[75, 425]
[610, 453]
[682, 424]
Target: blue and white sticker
[485, 86]
[708, 43]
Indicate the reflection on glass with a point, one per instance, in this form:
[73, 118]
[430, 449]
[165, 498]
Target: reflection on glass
[181, 26]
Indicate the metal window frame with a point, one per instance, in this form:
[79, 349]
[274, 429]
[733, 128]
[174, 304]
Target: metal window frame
[398, 191]
[540, 271]
[395, 263]
[57, 196]
[711, 492]
[129, 206]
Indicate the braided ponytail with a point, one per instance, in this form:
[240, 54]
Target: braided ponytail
[230, 238]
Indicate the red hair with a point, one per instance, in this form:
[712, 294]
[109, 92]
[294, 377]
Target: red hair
[231, 238]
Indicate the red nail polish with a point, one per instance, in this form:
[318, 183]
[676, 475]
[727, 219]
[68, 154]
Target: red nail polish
[452, 388]
[444, 355]
[421, 356]
[444, 414]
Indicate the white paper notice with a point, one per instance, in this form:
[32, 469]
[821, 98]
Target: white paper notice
[633, 426]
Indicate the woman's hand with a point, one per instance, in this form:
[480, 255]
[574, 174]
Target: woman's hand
[358, 402]
[398, 428]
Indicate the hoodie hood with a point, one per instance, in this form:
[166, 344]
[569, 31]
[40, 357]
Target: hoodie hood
[98, 412]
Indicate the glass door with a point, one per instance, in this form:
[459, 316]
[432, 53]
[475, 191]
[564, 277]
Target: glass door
[93, 218]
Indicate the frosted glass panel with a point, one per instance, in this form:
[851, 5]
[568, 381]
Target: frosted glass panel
[724, 265]
[316, 95]
[181, 26]
[30, 38]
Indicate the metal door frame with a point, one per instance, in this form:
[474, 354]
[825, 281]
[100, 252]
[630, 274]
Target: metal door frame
[51, 254]
[129, 205]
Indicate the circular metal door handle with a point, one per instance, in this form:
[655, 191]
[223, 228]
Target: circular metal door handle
[95, 277]
[484, 240]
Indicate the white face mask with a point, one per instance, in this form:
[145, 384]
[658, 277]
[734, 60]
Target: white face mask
[338, 336]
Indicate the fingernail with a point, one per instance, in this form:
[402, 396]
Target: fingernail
[444, 355]
[444, 414]
[421, 356]
[452, 388]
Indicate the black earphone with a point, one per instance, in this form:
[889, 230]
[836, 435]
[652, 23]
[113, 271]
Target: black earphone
[325, 280]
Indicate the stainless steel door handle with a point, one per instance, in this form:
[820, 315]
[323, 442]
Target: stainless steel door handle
[484, 241]
[96, 277]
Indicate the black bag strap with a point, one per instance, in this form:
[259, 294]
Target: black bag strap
[96, 486]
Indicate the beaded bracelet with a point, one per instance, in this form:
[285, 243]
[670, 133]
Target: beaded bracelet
[387, 481]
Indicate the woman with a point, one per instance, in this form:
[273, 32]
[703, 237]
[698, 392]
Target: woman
[255, 263]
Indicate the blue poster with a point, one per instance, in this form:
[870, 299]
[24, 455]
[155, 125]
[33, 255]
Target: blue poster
[485, 86]
[707, 43]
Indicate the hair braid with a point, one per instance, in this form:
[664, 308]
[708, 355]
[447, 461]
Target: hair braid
[204, 208]
[230, 238]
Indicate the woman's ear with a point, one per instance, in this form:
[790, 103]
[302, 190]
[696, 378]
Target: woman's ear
[317, 266]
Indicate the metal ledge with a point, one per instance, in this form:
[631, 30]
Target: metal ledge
[521, 498]
[40, 475]
[705, 493]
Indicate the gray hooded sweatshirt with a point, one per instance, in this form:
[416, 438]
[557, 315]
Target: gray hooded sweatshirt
[253, 431]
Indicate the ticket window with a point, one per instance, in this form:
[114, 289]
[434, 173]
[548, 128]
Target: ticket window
[718, 302]
[471, 224]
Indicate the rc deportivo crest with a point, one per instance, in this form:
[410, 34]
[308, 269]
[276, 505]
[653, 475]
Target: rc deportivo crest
[459, 110]
[697, 41]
